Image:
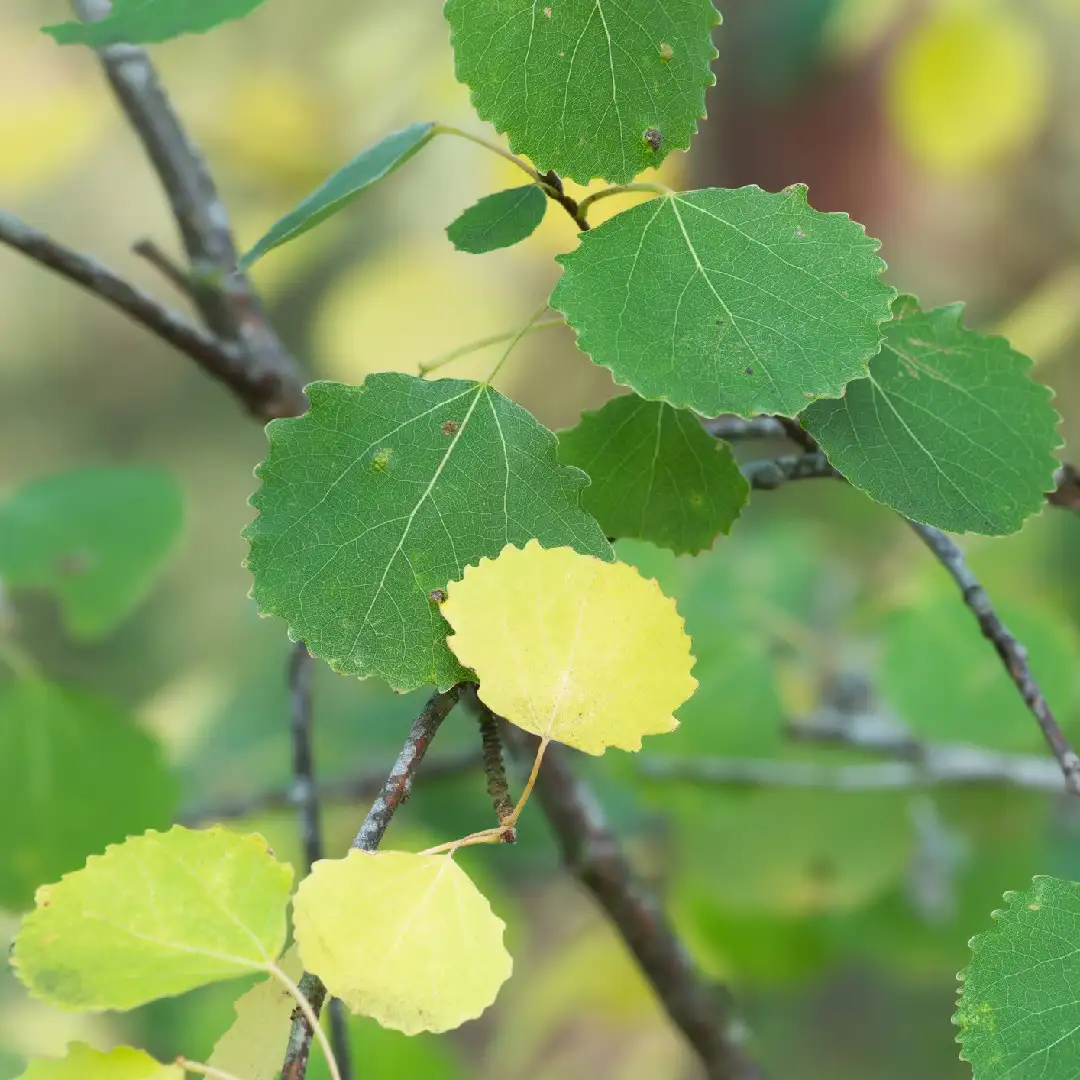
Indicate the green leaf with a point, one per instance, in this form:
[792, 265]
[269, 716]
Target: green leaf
[948, 428]
[143, 21]
[722, 300]
[656, 474]
[577, 85]
[1018, 1012]
[963, 692]
[94, 538]
[500, 220]
[383, 493]
[155, 916]
[76, 774]
[343, 186]
[85, 1063]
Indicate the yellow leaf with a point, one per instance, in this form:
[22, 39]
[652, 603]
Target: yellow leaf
[968, 87]
[254, 1046]
[85, 1063]
[407, 939]
[570, 648]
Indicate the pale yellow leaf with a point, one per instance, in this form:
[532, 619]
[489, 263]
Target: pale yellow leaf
[407, 939]
[253, 1048]
[585, 652]
[85, 1063]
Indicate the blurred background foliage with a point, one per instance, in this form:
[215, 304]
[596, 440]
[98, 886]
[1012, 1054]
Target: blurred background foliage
[950, 128]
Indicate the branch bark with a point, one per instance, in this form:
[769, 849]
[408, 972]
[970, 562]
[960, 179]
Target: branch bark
[770, 473]
[1013, 654]
[703, 1012]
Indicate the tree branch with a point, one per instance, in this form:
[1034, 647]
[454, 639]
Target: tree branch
[395, 791]
[770, 473]
[492, 756]
[590, 850]
[1067, 493]
[1013, 654]
[735, 428]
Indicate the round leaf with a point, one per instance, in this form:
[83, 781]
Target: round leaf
[722, 300]
[499, 220]
[571, 648]
[948, 428]
[1018, 1012]
[407, 939]
[379, 495]
[656, 474]
[94, 538]
[76, 774]
[83, 1062]
[157, 915]
[587, 88]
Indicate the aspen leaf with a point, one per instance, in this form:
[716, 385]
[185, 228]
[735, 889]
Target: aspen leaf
[83, 1062]
[139, 21]
[588, 653]
[158, 915]
[406, 939]
[499, 220]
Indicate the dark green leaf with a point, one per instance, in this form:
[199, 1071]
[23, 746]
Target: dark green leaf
[656, 474]
[727, 301]
[1018, 1014]
[500, 220]
[143, 21]
[76, 774]
[948, 428]
[587, 89]
[364, 170]
[94, 538]
[382, 494]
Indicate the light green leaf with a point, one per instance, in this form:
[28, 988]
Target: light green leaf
[383, 493]
[948, 428]
[85, 1063]
[407, 939]
[142, 21]
[343, 186]
[76, 774]
[94, 538]
[1018, 1012]
[577, 84]
[722, 300]
[500, 220]
[963, 693]
[656, 474]
[155, 916]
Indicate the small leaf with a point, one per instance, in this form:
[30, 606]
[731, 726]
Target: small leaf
[579, 87]
[500, 220]
[1018, 1012]
[722, 300]
[155, 916]
[94, 538]
[76, 774]
[571, 648]
[948, 428]
[406, 939]
[254, 1045]
[381, 494]
[85, 1063]
[656, 474]
[142, 21]
[343, 186]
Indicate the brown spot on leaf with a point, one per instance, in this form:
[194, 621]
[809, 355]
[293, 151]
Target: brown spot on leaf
[449, 427]
[437, 596]
[653, 138]
[749, 371]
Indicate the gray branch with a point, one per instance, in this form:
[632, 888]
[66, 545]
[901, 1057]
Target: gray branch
[771, 473]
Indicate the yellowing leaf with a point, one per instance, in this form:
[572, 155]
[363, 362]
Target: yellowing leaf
[968, 86]
[157, 915]
[407, 939]
[254, 1046]
[85, 1063]
[570, 648]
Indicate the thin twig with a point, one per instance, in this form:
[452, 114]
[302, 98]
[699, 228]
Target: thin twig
[734, 428]
[1067, 492]
[1013, 654]
[554, 190]
[702, 1011]
[305, 796]
[395, 791]
[770, 473]
[494, 769]
[162, 262]
[218, 360]
[272, 384]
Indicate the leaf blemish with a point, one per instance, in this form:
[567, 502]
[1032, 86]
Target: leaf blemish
[749, 371]
[799, 234]
[666, 51]
[437, 596]
[381, 460]
[653, 138]
[547, 13]
[449, 427]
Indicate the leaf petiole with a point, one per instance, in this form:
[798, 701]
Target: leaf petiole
[309, 1015]
[204, 1070]
[446, 129]
[500, 834]
[530, 325]
[483, 343]
[529, 784]
[620, 189]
